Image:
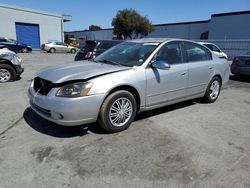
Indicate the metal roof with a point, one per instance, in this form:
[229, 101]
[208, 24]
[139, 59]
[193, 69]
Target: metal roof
[30, 10]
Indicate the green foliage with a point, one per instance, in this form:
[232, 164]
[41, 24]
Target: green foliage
[94, 28]
[130, 24]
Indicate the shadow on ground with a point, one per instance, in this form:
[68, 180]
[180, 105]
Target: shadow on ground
[49, 128]
[245, 79]
[166, 109]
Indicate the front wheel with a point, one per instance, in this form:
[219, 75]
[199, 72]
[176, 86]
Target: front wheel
[7, 73]
[213, 90]
[117, 112]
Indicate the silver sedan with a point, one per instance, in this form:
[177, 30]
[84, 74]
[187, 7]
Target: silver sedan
[129, 78]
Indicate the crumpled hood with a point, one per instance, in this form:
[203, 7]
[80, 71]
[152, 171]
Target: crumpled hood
[77, 71]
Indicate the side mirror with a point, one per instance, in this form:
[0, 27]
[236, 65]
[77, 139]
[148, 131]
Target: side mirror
[160, 65]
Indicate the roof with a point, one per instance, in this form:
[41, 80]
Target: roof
[153, 40]
[183, 23]
[231, 13]
[29, 10]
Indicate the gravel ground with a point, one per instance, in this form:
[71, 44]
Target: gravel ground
[189, 144]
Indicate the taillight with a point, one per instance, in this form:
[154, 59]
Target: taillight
[235, 61]
[88, 54]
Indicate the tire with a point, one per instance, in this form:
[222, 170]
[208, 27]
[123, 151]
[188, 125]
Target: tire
[213, 90]
[73, 51]
[24, 50]
[52, 50]
[107, 116]
[7, 73]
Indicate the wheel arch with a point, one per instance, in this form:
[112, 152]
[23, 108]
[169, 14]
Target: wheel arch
[7, 62]
[219, 76]
[130, 89]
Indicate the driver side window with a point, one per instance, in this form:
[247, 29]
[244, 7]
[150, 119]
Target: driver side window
[170, 53]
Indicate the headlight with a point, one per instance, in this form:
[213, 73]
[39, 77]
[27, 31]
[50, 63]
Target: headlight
[79, 89]
[19, 59]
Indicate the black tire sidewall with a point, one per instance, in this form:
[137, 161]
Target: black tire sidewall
[73, 51]
[207, 94]
[11, 70]
[25, 50]
[52, 50]
[104, 120]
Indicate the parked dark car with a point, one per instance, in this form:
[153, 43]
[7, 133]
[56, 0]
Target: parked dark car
[14, 45]
[241, 65]
[94, 48]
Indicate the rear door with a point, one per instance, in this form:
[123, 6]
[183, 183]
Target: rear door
[59, 47]
[200, 67]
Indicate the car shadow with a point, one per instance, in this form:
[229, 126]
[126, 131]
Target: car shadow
[49, 128]
[240, 78]
[165, 109]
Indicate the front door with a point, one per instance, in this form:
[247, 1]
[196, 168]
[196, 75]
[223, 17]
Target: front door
[167, 85]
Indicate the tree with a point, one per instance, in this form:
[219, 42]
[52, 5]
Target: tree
[94, 28]
[130, 24]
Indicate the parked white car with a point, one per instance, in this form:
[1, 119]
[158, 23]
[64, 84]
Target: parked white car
[53, 47]
[215, 49]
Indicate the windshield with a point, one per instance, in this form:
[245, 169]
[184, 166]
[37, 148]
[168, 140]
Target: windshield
[127, 53]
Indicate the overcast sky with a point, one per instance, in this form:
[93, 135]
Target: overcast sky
[101, 12]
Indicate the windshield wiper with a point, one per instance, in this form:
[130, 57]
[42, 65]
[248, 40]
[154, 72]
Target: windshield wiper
[110, 62]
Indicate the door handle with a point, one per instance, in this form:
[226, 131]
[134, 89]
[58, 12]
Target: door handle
[184, 73]
[210, 68]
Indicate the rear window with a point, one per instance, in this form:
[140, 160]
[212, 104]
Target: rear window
[196, 52]
[104, 45]
[90, 45]
[212, 47]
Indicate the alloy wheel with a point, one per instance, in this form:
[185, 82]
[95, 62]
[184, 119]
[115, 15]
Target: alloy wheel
[120, 112]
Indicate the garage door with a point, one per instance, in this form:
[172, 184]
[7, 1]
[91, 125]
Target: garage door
[28, 34]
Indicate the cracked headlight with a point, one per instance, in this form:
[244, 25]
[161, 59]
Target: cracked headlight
[79, 89]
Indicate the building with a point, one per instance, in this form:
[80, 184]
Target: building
[230, 26]
[31, 27]
[230, 31]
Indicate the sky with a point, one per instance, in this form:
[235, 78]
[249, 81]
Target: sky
[101, 12]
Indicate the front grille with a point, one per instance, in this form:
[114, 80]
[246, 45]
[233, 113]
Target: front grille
[42, 86]
[41, 110]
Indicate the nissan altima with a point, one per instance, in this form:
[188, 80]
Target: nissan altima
[129, 78]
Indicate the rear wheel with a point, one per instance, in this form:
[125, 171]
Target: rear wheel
[52, 50]
[7, 73]
[25, 50]
[213, 90]
[73, 51]
[117, 112]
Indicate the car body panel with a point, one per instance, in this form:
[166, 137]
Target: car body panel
[166, 84]
[77, 71]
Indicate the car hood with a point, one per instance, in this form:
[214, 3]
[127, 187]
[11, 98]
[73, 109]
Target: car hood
[78, 71]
